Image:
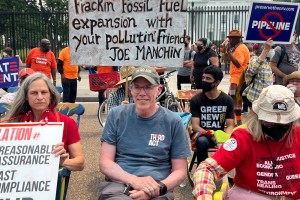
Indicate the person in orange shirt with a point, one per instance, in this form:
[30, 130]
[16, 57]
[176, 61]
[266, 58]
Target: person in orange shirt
[239, 57]
[41, 59]
[69, 75]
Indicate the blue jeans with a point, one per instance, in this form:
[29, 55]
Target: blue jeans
[227, 67]
[69, 90]
[203, 144]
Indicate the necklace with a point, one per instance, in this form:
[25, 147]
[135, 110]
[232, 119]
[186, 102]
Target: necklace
[275, 158]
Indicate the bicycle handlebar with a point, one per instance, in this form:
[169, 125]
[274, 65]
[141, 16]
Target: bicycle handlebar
[167, 74]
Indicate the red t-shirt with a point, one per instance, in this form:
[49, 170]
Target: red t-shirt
[41, 61]
[70, 132]
[253, 164]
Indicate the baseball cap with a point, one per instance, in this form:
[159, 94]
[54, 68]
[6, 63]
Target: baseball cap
[148, 73]
[25, 71]
[276, 104]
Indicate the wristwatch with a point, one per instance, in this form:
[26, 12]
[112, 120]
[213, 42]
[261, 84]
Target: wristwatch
[163, 189]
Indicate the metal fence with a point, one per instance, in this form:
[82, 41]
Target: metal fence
[22, 31]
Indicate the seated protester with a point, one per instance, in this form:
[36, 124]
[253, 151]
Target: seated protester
[260, 71]
[264, 153]
[35, 101]
[117, 97]
[210, 110]
[292, 81]
[23, 74]
[144, 145]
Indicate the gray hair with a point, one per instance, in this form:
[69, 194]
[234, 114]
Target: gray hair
[21, 105]
[254, 128]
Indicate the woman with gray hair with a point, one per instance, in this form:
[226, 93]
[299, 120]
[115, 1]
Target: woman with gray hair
[265, 152]
[35, 101]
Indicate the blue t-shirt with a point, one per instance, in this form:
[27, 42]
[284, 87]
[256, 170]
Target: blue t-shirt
[145, 146]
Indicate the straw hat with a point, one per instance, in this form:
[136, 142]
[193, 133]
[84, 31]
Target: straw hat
[294, 75]
[123, 74]
[276, 104]
[235, 33]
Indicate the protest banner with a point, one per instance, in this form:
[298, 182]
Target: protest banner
[127, 32]
[28, 169]
[9, 70]
[274, 20]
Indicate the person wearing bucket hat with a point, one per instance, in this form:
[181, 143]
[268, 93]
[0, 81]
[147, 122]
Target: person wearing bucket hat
[117, 97]
[23, 74]
[292, 81]
[144, 145]
[264, 152]
[239, 57]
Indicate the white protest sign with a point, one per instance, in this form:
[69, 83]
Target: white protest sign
[28, 169]
[127, 32]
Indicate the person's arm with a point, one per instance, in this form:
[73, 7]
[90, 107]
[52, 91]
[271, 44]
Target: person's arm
[196, 125]
[191, 74]
[53, 74]
[178, 174]
[233, 60]
[230, 125]
[214, 61]
[276, 71]
[113, 171]
[75, 160]
[204, 177]
[79, 77]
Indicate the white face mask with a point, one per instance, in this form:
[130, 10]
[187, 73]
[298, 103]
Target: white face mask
[271, 53]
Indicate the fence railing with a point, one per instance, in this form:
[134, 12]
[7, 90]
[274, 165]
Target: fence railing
[22, 31]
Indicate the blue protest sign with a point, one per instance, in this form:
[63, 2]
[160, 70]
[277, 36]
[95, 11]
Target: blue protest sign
[9, 69]
[271, 20]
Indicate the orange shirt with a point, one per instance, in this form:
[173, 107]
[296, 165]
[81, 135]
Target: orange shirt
[70, 71]
[41, 61]
[242, 55]
[104, 69]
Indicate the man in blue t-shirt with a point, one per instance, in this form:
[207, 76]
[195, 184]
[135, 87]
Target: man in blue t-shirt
[144, 146]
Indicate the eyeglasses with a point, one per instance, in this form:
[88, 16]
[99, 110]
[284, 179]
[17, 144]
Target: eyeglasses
[271, 124]
[294, 80]
[137, 89]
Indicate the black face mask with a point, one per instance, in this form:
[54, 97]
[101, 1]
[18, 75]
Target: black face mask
[199, 47]
[276, 132]
[206, 86]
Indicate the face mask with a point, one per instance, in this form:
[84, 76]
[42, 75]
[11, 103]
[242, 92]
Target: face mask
[276, 132]
[206, 86]
[199, 47]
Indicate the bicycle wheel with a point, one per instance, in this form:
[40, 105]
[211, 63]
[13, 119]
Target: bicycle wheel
[102, 113]
[173, 105]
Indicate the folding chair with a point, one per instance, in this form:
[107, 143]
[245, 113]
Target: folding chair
[68, 109]
[4, 108]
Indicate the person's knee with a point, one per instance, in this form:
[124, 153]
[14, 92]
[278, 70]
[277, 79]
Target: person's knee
[202, 143]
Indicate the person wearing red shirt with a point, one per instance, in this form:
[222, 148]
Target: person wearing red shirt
[35, 102]
[41, 59]
[265, 152]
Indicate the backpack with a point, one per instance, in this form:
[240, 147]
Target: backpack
[282, 53]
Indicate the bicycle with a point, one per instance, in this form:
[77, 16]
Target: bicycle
[166, 99]
[170, 102]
